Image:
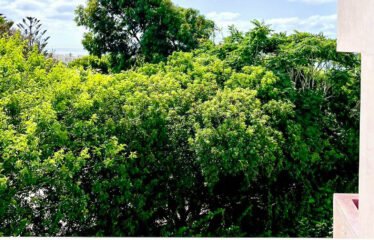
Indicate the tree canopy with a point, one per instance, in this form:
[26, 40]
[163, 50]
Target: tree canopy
[249, 137]
[140, 31]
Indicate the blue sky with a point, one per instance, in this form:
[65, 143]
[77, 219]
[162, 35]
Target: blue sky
[284, 15]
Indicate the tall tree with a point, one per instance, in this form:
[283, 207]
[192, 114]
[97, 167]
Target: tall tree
[140, 30]
[31, 29]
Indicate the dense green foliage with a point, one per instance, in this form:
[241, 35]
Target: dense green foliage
[136, 31]
[250, 137]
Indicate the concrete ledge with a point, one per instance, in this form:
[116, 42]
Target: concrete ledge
[346, 218]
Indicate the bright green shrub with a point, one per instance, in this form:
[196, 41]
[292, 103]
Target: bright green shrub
[197, 146]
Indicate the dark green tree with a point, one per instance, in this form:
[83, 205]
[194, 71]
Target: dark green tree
[140, 30]
[321, 141]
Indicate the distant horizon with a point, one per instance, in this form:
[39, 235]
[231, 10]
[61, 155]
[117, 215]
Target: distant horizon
[67, 51]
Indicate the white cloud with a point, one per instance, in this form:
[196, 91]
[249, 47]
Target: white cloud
[313, 24]
[223, 16]
[313, 1]
[225, 19]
